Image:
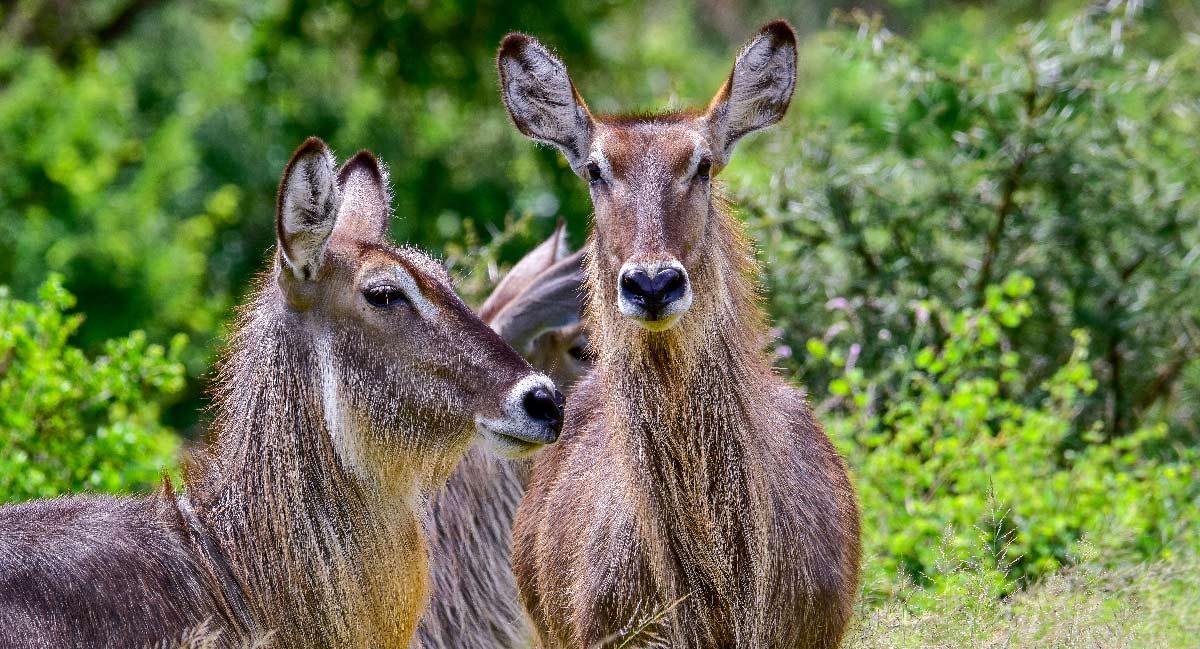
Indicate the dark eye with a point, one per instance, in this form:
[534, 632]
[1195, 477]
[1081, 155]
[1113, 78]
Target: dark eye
[703, 169]
[579, 351]
[594, 175]
[385, 296]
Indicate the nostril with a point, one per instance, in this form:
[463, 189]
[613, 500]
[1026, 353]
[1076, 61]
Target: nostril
[669, 285]
[543, 406]
[668, 281]
[637, 285]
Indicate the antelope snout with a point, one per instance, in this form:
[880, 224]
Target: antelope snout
[532, 416]
[654, 294]
[545, 405]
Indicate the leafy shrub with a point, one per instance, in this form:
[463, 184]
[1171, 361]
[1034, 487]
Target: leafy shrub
[69, 422]
[930, 171]
[141, 142]
[951, 438]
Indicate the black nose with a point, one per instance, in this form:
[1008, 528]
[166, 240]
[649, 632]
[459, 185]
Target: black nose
[653, 294]
[545, 407]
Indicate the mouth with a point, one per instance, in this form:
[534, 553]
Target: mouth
[507, 445]
[658, 324]
[531, 417]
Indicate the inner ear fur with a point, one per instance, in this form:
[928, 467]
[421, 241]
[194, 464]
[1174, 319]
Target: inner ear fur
[759, 88]
[540, 98]
[306, 208]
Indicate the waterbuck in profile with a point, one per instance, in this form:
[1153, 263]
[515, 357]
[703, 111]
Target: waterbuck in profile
[694, 500]
[535, 308]
[352, 385]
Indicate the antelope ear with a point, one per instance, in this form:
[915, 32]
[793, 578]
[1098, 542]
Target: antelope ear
[759, 89]
[365, 211]
[551, 301]
[541, 99]
[306, 208]
[525, 272]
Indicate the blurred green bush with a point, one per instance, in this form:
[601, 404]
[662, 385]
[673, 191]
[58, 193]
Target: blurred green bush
[981, 242]
[72, 423]
[1065, 153]
[141, 143]
[966, 444]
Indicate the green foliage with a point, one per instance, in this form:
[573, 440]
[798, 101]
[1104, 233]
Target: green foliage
[981, 245]
[141, 157]
[950, 439]
[1066, 154]
[69, 422]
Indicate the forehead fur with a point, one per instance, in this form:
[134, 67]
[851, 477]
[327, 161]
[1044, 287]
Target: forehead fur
[672, 144]
[412, 258]
[627, 120]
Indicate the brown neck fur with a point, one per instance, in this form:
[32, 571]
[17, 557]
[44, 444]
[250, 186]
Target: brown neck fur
[688, 406]
[719, 339]
[321, 558]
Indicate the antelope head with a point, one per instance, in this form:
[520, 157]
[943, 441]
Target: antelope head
[404, 370]
[650, 177]
[536, 308]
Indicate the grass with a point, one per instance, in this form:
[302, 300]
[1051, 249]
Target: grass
[1132, 605]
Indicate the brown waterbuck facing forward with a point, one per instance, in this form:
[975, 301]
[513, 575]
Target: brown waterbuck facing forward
[694, 501]
[352, 385]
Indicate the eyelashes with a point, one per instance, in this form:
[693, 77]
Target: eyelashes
[385, 296]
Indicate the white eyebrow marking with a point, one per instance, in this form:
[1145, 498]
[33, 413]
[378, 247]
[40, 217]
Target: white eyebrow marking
[597, 156]
[413, 292]
[698, 151]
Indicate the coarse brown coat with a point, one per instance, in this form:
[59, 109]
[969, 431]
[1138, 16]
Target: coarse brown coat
[694, 500]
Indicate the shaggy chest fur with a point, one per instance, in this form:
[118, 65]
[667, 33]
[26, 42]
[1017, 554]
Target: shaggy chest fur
[689, 523]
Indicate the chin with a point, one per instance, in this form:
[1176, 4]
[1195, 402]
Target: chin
[662, 324]
[507, 446]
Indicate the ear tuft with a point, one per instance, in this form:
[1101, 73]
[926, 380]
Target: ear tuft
[306, 207]
[513, 43]
[540, 98]
[366, 202]
[780, 31]
[759, 89]
[363, 162]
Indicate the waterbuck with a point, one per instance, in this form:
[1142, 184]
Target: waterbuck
[352, 384]
[694, 500]
[473, 603]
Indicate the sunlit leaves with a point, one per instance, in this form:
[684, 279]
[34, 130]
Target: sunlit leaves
[966, 443]
[70, 422]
